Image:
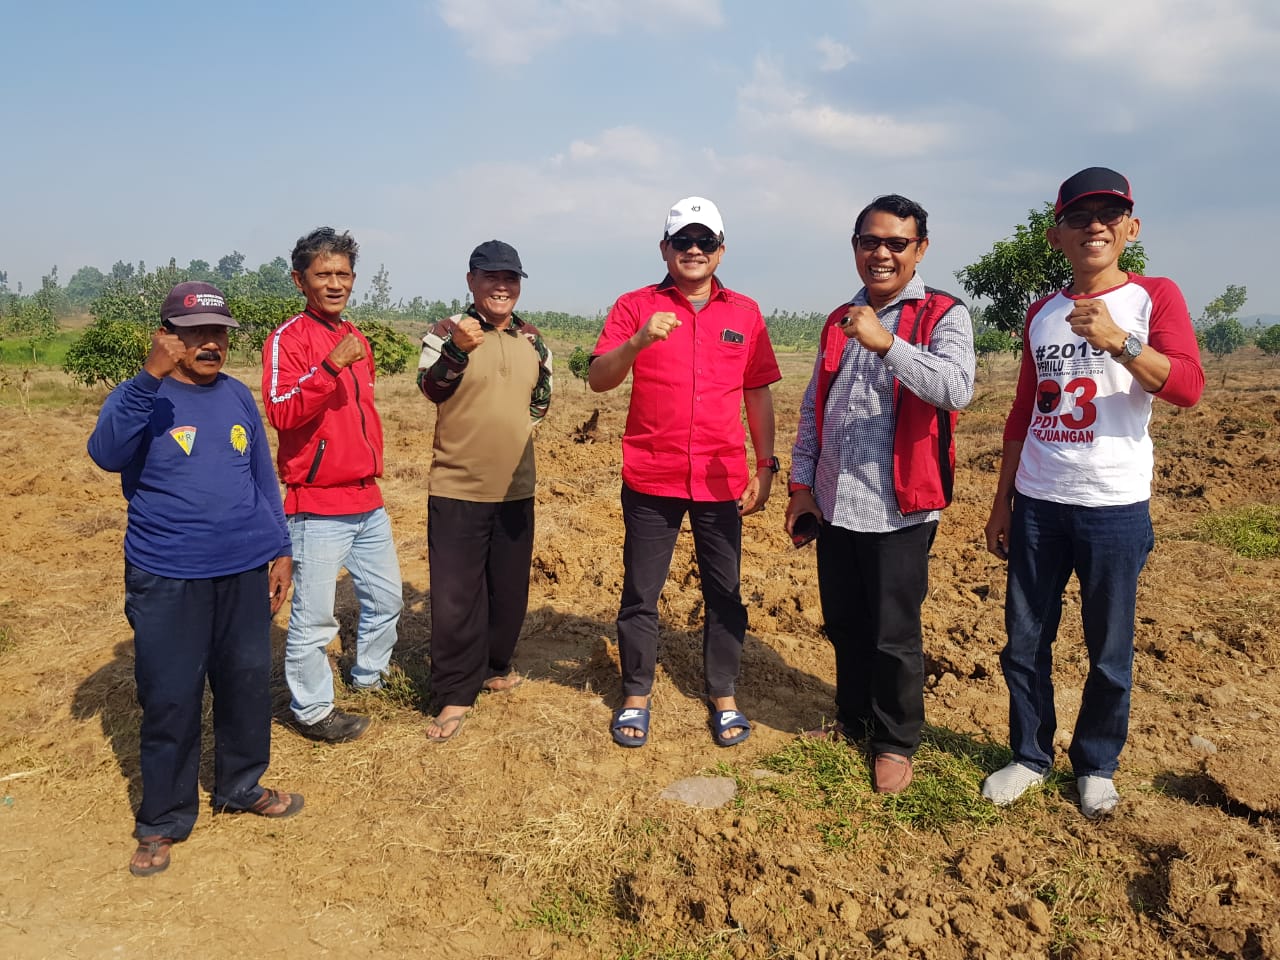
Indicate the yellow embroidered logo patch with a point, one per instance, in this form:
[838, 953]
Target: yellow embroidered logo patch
[239, 439]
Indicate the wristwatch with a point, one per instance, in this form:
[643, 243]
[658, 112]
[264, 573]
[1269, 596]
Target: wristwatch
[1129, 352]
[771, 462]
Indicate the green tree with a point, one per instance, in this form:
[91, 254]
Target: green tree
[379, 299]
[1224, 338]
[31, 320]
[1268, 340]
[230, 266]
[200, 270]
[258, 315]
[1021, 269]
[1225, 306]
[84, 286]
[580, 364]
[1219, 330]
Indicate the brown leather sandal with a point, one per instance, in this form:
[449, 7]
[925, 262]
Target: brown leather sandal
[276, 804]
[151, 857]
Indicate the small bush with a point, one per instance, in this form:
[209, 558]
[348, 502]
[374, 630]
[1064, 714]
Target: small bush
[109, 351]
[392, 350]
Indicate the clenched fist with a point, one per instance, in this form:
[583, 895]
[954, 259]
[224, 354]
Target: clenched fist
[348, 351]
[167, 350]
[658, 328]
[862, 324]
[467, 335]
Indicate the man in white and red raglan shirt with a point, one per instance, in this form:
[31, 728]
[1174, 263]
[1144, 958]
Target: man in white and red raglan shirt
[873, 465]
[1075, 483]
[317, 387]
[698, 354]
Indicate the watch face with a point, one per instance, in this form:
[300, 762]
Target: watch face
[1132, 346]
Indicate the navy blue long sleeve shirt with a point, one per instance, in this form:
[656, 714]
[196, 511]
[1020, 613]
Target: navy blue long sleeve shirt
[195, 467]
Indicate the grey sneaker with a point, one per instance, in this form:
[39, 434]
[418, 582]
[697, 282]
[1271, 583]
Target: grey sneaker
[335, 727]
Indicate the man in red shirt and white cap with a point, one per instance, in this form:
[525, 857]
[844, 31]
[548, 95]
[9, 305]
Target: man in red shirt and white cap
[698, 352]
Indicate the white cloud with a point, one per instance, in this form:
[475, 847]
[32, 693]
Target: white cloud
[835, 55]
[513, 31]
[771, 104]
[1177, 45]
[625, 146]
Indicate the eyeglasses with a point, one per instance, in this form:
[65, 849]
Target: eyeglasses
[1079, 219]
[707, 244]
[870, 243]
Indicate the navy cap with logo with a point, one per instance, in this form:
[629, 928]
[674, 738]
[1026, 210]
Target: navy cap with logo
[1092, 182]
[496, 256]
[196, 304]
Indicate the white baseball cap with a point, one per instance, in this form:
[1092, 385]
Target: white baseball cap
[694, 210]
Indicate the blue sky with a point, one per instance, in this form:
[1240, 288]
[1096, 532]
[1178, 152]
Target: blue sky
[146, 131]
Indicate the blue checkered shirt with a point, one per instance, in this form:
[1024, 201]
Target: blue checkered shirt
[852, 479]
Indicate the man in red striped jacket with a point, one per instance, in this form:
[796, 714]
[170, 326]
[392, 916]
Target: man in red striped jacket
[317, 387]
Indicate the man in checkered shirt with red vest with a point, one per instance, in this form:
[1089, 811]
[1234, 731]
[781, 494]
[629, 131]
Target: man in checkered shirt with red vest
[873, 463]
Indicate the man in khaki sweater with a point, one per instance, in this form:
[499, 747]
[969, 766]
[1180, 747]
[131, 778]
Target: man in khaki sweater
[489, 374]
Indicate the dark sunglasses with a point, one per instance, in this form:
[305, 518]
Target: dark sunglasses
[1079, 219]
[707, 244]
[870, 243]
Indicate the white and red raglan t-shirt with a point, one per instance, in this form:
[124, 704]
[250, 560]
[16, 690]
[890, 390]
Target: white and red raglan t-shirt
[1080, 414]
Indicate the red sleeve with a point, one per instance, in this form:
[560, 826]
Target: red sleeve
[1171, 333]
[620, 325]
[296, 386]
[762, 365]
[1019, 420]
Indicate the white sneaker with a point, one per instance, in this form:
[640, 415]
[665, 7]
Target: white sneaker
[1009, 783]
[1098, 796]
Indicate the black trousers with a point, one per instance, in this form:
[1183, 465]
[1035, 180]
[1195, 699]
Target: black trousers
[652, 525]
[185, 631]
[479, 555]
[872, 586]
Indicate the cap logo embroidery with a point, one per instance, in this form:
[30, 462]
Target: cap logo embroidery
[203, 300]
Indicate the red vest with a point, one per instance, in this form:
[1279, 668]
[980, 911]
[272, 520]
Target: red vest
[924, 450]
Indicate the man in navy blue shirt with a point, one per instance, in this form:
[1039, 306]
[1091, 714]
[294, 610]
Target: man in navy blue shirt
[207, 563]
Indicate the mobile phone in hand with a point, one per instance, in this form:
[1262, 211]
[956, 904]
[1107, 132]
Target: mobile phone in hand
[804, 529]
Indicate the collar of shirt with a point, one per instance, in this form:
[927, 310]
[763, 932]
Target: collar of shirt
[717, 288]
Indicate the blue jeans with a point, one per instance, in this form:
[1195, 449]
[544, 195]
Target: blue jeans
[1107, 548]
[322, 546]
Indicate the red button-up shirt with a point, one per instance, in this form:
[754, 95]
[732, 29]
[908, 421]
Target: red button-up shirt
[684, 435]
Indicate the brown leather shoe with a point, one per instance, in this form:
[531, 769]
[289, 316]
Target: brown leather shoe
[891, 773]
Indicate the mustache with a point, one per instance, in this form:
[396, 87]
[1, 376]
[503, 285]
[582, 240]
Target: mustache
[209, 355]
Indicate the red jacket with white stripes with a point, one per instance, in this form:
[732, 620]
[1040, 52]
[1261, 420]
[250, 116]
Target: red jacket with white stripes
[330, 452]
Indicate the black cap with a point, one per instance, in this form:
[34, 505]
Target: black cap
[195, 304]
[495, 256]
[1092, 182]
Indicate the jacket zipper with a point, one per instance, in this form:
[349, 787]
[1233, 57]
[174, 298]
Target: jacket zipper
[315, 464]
[364, 426]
